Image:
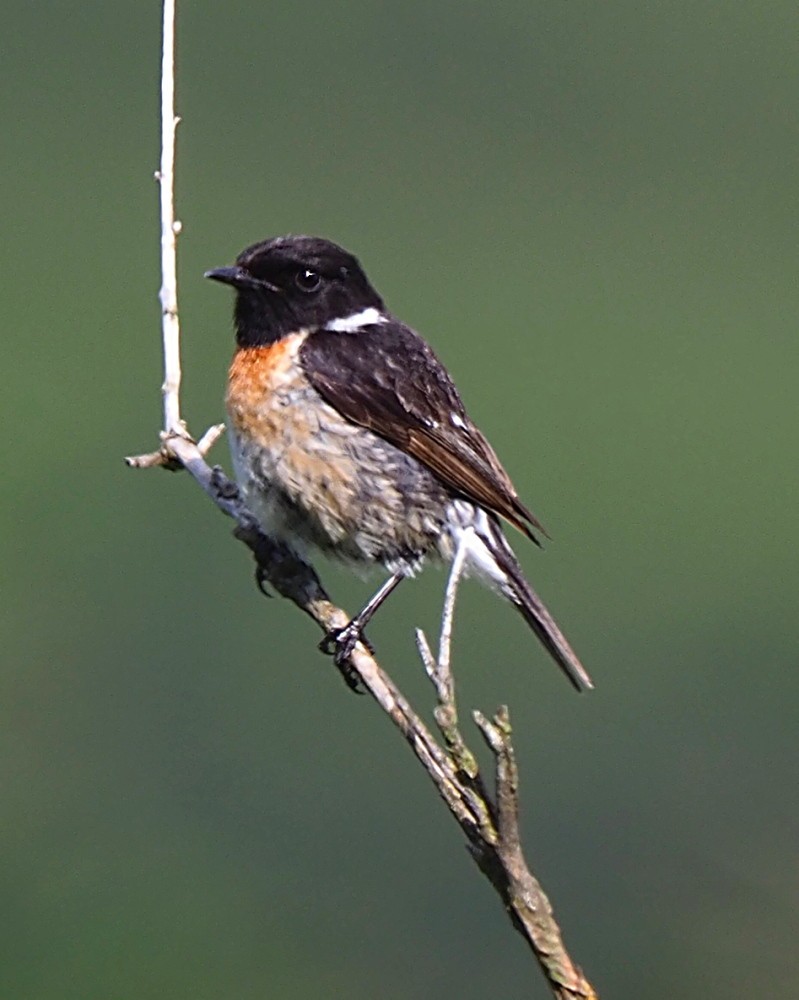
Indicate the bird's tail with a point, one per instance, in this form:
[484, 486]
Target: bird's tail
[505, 573]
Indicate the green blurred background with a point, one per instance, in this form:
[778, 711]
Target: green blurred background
[590, 210]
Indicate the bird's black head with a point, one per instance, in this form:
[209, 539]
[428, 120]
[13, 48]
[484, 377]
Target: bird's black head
[291, 283]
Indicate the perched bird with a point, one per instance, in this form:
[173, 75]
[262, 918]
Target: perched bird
[349, 436]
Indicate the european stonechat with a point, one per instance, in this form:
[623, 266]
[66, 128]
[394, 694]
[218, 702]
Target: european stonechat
[349, 436]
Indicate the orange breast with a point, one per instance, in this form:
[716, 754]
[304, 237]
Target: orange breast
[259, 382]
[289, 447]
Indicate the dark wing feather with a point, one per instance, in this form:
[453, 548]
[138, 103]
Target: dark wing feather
[386, 378]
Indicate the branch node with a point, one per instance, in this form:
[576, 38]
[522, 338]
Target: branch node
[179, 430]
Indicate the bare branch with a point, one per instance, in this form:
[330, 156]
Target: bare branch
[505, 865]
[169, 230]
[494, 838]
[490, 824]
[173, 425]
[209, 439]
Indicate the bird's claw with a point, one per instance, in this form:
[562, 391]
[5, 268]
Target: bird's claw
[340, 644]
[261, 579]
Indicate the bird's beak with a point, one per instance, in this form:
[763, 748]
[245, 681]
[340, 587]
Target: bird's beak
[235, 276]
[239, 277]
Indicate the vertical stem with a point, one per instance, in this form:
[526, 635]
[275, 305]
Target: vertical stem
[169, 230]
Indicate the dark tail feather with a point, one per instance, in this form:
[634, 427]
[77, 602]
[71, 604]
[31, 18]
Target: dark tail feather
[536, 615]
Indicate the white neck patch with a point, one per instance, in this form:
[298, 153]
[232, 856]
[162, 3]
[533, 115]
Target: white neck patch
[355, 322]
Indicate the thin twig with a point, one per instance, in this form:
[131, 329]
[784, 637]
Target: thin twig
[491, 827]
[170, 323]
[173, 426]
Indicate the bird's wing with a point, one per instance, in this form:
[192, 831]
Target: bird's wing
[386, 378]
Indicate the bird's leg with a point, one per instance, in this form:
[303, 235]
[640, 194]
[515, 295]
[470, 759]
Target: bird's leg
[341, 641]
[438, 668]
[448, 611]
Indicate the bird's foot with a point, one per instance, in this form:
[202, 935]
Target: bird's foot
[261, 580]
[340, 644]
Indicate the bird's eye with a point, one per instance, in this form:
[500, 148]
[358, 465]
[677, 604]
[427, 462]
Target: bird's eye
[307, 280]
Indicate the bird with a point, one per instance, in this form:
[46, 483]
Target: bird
[348, 436]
